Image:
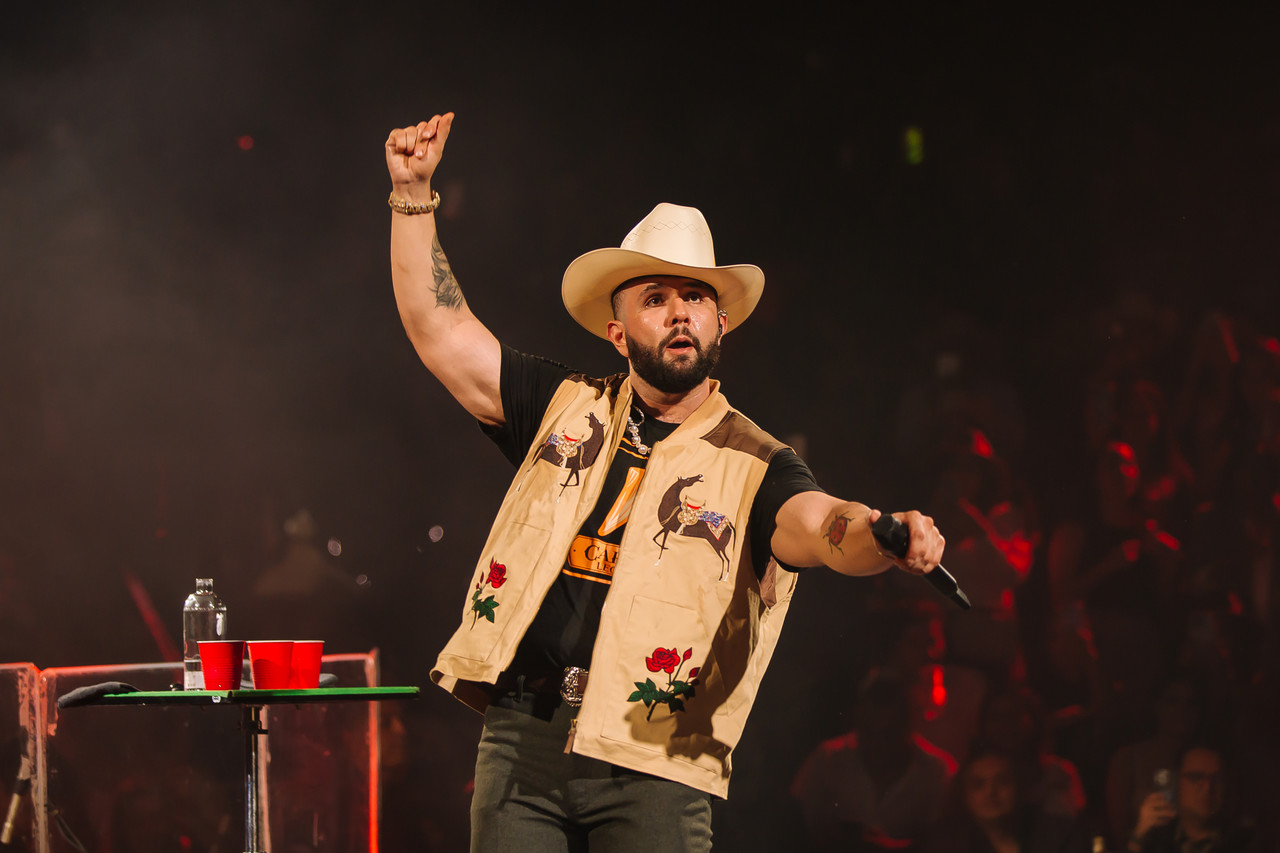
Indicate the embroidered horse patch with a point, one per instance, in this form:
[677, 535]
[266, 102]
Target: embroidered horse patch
[689, 517]
[573, 452]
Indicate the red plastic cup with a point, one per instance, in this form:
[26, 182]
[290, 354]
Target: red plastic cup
[222, 663]
[304, 670]
[270, 661]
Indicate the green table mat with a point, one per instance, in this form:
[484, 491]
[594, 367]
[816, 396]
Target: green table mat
[257, 697]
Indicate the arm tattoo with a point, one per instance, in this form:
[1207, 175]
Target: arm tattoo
[448, 294]
[835, 533]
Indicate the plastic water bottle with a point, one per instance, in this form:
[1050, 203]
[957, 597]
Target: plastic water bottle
[204, 617]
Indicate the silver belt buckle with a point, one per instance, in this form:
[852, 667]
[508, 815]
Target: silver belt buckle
[572, 685]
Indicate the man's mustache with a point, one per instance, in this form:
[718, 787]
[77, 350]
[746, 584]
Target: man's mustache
[681, 332]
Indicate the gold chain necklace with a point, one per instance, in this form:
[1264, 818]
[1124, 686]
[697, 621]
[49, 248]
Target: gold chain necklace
[633, 428]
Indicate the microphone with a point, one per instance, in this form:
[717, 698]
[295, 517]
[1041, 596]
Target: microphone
[894, 538]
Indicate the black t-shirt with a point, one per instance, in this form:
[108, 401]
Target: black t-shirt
[564, 631]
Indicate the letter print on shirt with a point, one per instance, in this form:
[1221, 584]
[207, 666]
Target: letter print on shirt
[593, 559]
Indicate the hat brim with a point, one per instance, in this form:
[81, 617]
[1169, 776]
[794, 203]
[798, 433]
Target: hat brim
[589, 282]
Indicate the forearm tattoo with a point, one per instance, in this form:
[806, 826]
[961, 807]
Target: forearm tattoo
[448, 294]
[835, 533]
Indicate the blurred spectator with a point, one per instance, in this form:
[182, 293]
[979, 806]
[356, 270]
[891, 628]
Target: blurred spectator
[993, 816]
[991, 539]
[962, 388]
[1132, 339]
[1197, 818]
[1227, 410]
[1013, 723]
[304, 594]
[878, 786]
[1228, 413]
[946, 698]
[1229, 420]
[1111, 574]
[1132, 770]
[1256, 769]
[1069, 682]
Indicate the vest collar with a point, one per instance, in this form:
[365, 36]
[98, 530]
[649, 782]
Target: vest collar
[701, 420]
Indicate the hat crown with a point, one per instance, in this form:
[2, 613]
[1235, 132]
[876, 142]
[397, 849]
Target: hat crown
[671, 240]
[675, 234]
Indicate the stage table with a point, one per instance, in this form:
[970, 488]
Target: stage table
[251, 703]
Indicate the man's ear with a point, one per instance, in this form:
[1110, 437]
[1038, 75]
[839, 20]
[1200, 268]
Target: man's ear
[617, 335]
[722, 317]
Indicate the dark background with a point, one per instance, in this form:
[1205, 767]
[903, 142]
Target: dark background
[198, 336]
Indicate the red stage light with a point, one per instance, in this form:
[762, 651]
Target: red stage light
[981, 446]
[1121, 449]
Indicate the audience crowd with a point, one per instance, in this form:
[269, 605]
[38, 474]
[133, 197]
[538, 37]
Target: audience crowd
[1114, 686]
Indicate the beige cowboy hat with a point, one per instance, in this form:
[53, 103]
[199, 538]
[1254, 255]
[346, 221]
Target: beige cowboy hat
[671, 240]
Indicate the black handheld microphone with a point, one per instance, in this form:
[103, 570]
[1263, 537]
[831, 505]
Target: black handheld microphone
[894, 538]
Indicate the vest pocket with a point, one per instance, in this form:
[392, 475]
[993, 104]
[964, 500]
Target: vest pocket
[499, 588]
[544, 494]
[659, 655]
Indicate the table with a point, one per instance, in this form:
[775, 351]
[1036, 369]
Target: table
[251, 703]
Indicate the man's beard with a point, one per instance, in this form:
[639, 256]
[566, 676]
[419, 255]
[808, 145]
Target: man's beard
[674, 377]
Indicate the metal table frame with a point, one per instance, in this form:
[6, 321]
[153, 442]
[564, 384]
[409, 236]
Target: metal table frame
[251, 703]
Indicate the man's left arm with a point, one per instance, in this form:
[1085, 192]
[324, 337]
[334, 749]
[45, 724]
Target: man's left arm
[814, 528]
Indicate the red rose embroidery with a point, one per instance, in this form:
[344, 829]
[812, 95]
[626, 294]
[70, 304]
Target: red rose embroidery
[497, 574]
[485, 607]
[665, 660]
[676, 692]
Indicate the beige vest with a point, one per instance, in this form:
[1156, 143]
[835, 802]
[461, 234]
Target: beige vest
[686, 631]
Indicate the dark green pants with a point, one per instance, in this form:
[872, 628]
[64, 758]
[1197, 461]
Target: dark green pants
[530, 796]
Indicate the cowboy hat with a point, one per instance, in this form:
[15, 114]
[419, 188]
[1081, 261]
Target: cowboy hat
[671, 240]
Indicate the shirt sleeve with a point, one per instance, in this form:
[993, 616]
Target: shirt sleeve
[527, 383]
[786, 477]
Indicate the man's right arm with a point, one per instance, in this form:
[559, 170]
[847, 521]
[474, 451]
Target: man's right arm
[452, 343]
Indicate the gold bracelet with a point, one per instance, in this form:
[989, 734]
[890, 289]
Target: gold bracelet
[409, 208]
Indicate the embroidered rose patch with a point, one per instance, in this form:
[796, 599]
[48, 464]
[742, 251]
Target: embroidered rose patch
[485, 607]
[673, 695]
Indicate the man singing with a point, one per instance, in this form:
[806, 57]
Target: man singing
[626, 603]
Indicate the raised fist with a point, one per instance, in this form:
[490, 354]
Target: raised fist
[414, 152]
